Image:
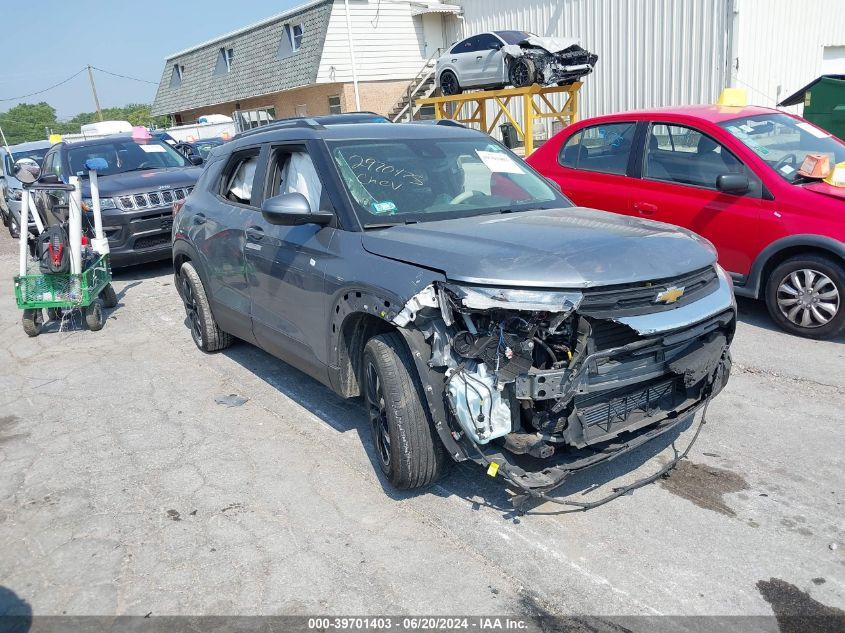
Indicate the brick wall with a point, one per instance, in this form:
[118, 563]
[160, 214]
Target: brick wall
[376, 96]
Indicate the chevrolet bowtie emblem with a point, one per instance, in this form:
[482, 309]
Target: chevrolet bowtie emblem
[670, 295]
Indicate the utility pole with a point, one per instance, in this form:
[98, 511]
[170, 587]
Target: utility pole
[94, 90]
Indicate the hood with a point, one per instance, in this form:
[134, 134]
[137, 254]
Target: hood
[559, 248]
[143, 181]
[826, 189]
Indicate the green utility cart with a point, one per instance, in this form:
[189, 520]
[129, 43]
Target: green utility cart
[87, 285]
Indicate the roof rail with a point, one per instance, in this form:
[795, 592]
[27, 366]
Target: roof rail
[281, 124]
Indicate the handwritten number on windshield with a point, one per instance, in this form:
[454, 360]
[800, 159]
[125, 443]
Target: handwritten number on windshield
[369, 170]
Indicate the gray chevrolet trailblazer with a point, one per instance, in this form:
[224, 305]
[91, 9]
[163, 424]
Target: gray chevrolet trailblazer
[137, 191]
[477, 312]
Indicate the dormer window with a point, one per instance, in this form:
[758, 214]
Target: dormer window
[296, 36]
[291, 40]
[176, 76]
[225, 57]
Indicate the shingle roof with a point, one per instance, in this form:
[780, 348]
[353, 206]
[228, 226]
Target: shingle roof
[256, 69]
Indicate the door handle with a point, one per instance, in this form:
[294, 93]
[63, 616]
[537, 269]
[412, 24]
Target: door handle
[478, 56]
[645, 208]
[255, 233]
[199, 218]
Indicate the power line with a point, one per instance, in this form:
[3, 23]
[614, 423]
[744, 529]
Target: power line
[32, 94]
[155, 83]
[64, 81]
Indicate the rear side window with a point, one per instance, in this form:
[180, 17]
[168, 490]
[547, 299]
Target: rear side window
[238, 177]
[685, 156]
[488, 42]
[602, 148]
[468, 45]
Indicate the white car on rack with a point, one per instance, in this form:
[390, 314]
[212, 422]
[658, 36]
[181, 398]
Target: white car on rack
[518, 58]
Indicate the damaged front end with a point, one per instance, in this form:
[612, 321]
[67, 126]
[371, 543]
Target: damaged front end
[554, 60]
[541, 384]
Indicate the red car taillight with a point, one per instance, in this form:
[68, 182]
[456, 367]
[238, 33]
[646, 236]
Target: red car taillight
[177, 206]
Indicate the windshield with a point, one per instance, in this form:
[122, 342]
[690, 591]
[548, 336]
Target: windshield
[203, 148]
[783, 142]
[125, 155]
[513, 37]
[420, 180]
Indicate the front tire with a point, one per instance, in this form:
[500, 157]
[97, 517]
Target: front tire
[407, 447]
[206, 333]
[805, 294]
[522, 73]
[32, 322]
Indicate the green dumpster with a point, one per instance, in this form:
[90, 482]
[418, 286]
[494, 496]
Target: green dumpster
[824, 103]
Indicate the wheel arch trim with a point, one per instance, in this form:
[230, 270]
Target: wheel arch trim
[755, 284]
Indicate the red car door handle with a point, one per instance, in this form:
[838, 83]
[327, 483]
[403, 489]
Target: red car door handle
[645, 208]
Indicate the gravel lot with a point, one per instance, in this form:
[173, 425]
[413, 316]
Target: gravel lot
[126, 489]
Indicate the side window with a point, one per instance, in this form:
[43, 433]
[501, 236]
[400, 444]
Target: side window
[684, 155]
[488, 42]
[293, 171]
[570, 150]
[470, 45]
[603, 148]
[236, 179]
[52, 164]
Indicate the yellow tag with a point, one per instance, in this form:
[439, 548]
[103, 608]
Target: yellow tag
[55, 138]
[492, 469]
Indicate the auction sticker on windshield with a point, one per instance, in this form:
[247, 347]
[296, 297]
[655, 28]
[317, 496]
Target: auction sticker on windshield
[499, 163]
[153, 149]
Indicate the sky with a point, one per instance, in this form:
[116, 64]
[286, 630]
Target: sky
[48, 41]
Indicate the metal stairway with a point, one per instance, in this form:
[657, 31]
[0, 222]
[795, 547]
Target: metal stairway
[422, 86]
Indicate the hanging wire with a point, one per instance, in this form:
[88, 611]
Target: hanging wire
[32, 94]
[108, 72]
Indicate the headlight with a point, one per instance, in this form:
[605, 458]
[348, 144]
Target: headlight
[105, 203]
[16, 194]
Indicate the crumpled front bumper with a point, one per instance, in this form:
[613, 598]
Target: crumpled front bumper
[645, 425]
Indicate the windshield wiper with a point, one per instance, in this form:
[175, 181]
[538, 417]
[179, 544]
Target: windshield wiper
[384, 225]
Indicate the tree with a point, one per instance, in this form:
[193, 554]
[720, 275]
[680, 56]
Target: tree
[28, 122]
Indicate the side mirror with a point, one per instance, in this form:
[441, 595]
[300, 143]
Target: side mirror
[27, 170]
[195, 160]
[736, 184]
[292, 209]
[49, 179]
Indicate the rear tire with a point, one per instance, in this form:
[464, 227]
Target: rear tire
[407, 447]
[108, 296]
[522, 72]
[449, 84]
[32, 321]
[94, 315]
[206, 333]
[805, 296]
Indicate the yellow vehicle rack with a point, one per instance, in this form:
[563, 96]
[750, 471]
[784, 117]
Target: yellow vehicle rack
[534, 102]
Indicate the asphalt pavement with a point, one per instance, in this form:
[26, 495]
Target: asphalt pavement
[126, 488]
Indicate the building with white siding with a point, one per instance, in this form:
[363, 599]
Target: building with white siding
[673, 52]
[651, 52]
[308, 60]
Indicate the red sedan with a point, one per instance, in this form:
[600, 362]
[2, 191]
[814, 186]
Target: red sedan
[731, 175]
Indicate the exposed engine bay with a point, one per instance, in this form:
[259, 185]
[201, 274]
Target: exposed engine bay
[549, 60]
[549, 375]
